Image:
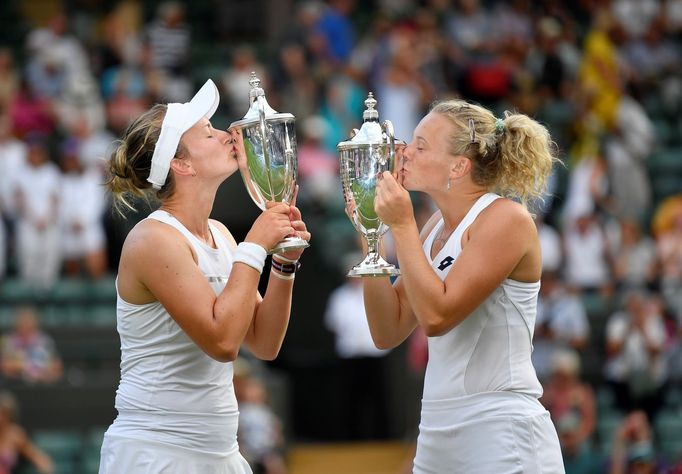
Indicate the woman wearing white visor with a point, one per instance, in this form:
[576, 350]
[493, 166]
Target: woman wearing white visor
[187, 296]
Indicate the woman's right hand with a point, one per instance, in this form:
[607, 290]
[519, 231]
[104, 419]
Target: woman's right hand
[271, 226]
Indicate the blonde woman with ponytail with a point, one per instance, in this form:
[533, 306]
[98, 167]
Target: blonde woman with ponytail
[188, 295]
[470, 279]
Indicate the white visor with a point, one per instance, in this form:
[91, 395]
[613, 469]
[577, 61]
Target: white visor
[180, 118]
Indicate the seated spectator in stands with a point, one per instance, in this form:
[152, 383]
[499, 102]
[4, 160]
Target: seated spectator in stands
[261, 440]
[82, 203]
[36, 192]
[14, 443]
[561, 323]
[587, 264]
[636, 367]
[635, 260]
[632, 451]
[570, 402]
[667, 229]
[28, 353]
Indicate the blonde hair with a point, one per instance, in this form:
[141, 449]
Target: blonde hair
[513, 156]
[130, 163]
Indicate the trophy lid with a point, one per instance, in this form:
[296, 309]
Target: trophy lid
[252, 115]
[371, 132]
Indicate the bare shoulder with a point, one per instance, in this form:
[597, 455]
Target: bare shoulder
[149, 236]
[224, 230]
[506, 215]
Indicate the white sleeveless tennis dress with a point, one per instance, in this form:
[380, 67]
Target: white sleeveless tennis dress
[177, 411]
[480, 408]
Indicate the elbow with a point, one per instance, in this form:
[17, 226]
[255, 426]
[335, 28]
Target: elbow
[383, 343]
[435, 325]
[224, 352]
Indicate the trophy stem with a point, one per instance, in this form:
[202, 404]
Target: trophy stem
[374, 264]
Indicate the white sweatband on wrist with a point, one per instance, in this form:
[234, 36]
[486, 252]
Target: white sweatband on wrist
[282, 276]
[284, 259]
[251, 254]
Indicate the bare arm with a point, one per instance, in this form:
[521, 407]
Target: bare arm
[158, 263]
[501, 243]
[35, 456]
[389, 314]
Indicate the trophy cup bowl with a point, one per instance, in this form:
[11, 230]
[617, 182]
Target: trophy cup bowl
[371, 151]
[268, 163]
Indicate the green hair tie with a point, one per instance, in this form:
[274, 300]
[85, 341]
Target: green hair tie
[499, 126]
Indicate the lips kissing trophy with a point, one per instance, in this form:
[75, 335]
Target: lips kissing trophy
[269, 168]
[371, 150]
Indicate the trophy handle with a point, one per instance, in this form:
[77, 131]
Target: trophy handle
[289, 167]
[388, 127]
[266, 153]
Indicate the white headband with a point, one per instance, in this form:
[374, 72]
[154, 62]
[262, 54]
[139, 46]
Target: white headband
[180, 118]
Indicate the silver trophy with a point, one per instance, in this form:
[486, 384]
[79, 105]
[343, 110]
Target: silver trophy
[269, 147]
[371, 150]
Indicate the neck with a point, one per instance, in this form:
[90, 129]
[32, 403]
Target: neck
[192, 210]
[455, 204]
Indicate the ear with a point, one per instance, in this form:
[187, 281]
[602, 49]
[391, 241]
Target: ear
[182, 167]
[460, 166]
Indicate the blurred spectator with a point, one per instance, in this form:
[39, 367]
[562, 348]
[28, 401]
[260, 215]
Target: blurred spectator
[335, 26]
[261, 440]
[587, 260]
[168, 44]
[295, 82]
[636, 366]
[341, 109]
[600, 74]
[632, 451]
[571, 404]
[15, 443]
[9, 78]
[12, 158]
[318, 168]
[561, 323]
[82, 203]
[635, 16]
[235, 80]
[667, 229]
[27, 352]
[625, 151]
[402, 92]
[93, 145]
[30, 113]
[37, 197]
[635, 261]
[364, 411]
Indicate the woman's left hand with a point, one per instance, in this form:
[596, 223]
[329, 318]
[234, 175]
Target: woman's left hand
[392, 202]
[299, 227]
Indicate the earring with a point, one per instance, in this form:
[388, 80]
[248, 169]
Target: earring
[448, 187]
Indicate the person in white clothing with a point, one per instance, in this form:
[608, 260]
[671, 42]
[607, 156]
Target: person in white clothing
[188, 295]
[36, 194]
[471, 281]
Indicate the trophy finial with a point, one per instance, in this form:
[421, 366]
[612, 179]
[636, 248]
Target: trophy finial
[256, 89]
[370, 114]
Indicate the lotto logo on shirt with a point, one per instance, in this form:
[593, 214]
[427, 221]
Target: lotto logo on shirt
[445, 263]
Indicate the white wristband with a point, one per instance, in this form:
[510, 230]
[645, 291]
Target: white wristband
[251, 254]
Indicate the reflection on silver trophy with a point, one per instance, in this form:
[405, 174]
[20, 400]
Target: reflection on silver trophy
[370, 151]
[269, 147]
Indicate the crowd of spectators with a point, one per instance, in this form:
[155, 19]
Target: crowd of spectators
[603, 75]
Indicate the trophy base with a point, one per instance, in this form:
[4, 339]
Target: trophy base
[289, 243]
[373, 267]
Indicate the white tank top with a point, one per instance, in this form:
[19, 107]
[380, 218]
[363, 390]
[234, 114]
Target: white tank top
[171, 391]
[490, 350]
